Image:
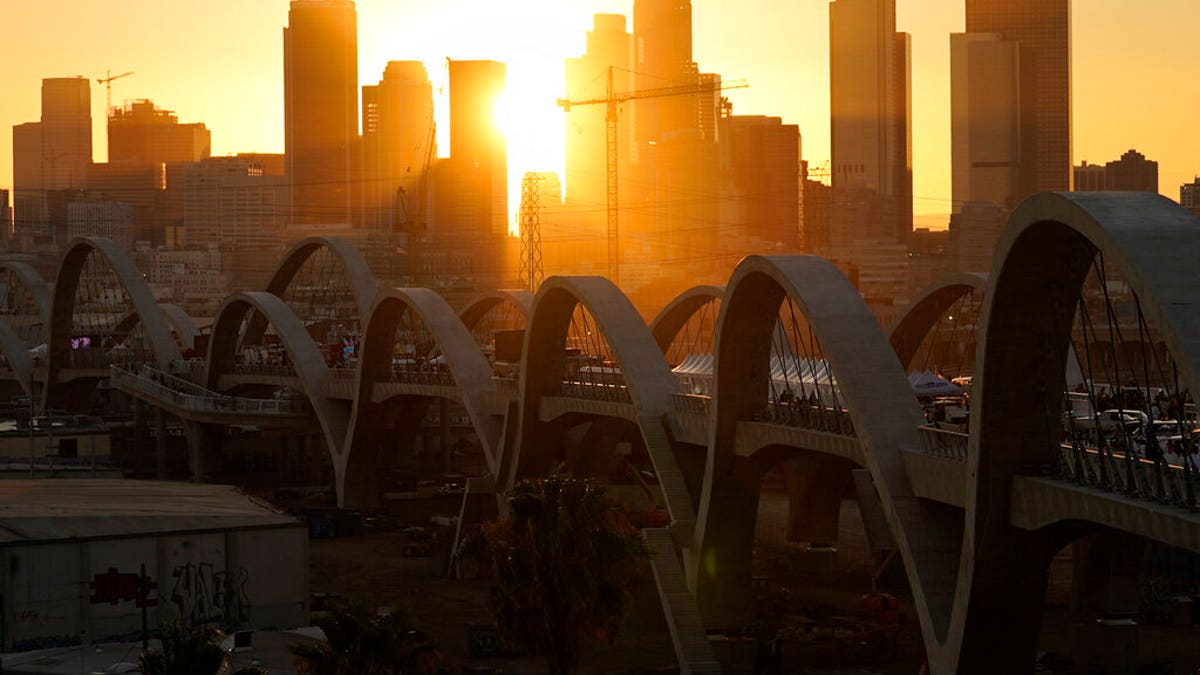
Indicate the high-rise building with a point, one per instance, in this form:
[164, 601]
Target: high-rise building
[320, 88]
[66, 132]
[398, 142]
[5, 219]
[51, 154]
[140, 134]
[662, 34]
[1089, 177]
[870, 124]
[90, 217]
[471, 186]
[609, 46]
[763, 156]
[990, 97]
[1042, 28]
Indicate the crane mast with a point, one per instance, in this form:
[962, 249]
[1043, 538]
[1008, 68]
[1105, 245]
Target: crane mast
[612, 101]
[107, 81]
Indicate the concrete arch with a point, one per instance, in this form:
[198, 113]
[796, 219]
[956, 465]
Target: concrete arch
[1041, 262]
[358, 273]
[18, 357]
[923, 313]
[467, 365]
[666, 326]
[311, 371]
[477, 308]
[181, 324]
[885, 416]
[645, 371]
[38, 288]
[63, 305]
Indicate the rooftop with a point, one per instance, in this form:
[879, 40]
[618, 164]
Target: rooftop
[55, 510]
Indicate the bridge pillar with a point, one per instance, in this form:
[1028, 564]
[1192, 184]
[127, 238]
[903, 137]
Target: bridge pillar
[594, 454]
[139, 428]
[724, 567]
[197, 443]
[1105, 597]
[816, 485]
[160, 444]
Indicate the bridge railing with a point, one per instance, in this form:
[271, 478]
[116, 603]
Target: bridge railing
[189, 396]
[1158, 481]
[436, 378]
[89, 358]
[508, 386]
[691, 404]
[597, 391]
[343, 373]
[262, 370]
[944, 443]
[801, 414]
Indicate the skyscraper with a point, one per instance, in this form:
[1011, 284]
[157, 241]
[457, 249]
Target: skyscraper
[320, 88]
[990, 97]
[869, 123]
[471, 186]
[51, 154]
[662, 34]
[609, 45]
[763, 155]
[1042, 28]
[398, 141]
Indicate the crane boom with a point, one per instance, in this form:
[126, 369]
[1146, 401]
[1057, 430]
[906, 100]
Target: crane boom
[107, 81]
[611, 101]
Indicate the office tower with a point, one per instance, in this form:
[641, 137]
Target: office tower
[51, 155]
[1042, 28]
[869, 123]
[320, 88]
[470, 229]
[66, 132]
[763, 156]
[609, 45]
[990, 96]
[662, 34]
[398, 143]
[5, 219]
[140, 134]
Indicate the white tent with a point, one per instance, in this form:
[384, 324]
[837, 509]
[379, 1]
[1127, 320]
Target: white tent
[926, 383]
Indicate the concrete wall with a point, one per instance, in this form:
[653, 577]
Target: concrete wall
[80, 592]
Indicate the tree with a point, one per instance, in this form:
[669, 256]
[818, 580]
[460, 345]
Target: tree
[362, 641]
[185, 651]
[562, 565]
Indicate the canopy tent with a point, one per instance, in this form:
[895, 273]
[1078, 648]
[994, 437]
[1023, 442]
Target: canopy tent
[927, 383]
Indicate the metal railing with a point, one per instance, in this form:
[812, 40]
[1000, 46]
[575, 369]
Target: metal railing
[262, 370]
[190, 396]
[616, 393]
[807, 416]
[692, 404]
[1154, 480]
[436, 378]
[944, 443]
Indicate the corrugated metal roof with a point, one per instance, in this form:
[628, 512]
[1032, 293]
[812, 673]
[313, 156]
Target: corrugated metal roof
[51, 510]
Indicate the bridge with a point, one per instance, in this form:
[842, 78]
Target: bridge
[1090, 305]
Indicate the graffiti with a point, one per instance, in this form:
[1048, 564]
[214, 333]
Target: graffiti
[113, 587]
[203, 595]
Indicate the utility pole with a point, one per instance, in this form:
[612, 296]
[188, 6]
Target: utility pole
[612, 101]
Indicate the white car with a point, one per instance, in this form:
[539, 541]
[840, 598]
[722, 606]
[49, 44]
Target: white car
[449, 490]
[1113, 420]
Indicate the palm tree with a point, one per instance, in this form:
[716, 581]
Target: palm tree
[361, 641]
[562, 565]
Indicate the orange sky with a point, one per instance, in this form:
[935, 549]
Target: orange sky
[220, 62]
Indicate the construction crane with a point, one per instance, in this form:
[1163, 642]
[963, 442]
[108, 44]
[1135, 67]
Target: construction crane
[107, 81]
[612, 100]
[819, 174]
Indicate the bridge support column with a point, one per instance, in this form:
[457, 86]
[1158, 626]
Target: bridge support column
[724, 568]
[139, 428]
[595, 454]
[160, 444]
[197, 444]
[1105, 587]
[816, 485]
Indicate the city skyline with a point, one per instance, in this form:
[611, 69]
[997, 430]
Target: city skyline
[232, 82]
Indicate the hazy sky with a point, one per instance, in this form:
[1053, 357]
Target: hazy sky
[221, 62]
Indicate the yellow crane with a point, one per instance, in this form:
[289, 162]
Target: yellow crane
[107, 81]
[612, 100]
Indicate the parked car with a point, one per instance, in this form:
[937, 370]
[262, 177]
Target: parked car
[449, 490]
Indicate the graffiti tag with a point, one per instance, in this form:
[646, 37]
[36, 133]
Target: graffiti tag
[114, 587]
[203, 595]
